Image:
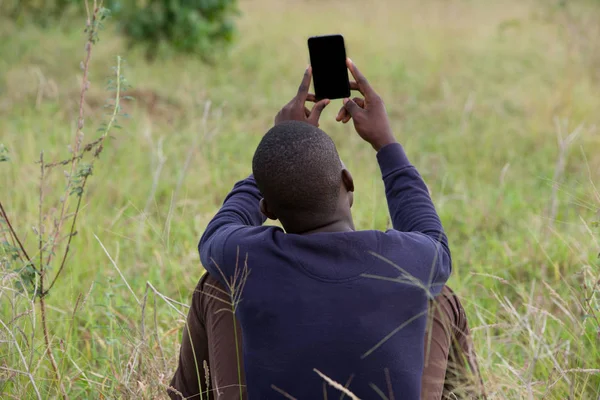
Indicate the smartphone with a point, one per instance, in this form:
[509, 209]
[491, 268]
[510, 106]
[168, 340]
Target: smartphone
[329, 70]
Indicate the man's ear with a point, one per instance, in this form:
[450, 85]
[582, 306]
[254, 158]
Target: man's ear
[347, 180]
[264, 208]
[348, 183]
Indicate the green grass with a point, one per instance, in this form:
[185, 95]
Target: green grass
[475, 91]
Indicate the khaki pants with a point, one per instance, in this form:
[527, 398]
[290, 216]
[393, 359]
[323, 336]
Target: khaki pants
[208, 343]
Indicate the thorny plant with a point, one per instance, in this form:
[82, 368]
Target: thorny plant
[36, 269]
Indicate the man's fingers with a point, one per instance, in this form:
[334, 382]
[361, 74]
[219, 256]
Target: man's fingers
[317, 109]
[304, 85]
[358, 76]
[359, 101]
[354, 86]
[363, 85]
[311, 97]
[306, 112]
[341, 114]
[351, 107]
[344, 116]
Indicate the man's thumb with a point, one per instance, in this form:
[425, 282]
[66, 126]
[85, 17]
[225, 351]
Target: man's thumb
[318, 108]
[351, 106]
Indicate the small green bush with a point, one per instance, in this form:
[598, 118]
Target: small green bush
[188, 26]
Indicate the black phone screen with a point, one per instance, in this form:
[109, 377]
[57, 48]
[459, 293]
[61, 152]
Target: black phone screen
[328, 61]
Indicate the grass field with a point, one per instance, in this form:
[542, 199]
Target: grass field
[496, 103]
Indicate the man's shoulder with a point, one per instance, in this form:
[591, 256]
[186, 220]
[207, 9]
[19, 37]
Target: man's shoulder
[251, 236]
[405, 246]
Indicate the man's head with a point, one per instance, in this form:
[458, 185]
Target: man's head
[303, 181]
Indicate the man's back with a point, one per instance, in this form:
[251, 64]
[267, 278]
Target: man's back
[325, 302]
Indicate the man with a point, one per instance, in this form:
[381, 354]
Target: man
[322, 302]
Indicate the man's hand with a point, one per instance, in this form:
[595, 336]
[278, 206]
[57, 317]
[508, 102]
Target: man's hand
[295, 110]
[369, 115]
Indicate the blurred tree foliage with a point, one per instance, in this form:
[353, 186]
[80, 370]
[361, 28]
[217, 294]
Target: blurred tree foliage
[189, 26]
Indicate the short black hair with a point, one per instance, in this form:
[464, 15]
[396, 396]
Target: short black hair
[298, 170]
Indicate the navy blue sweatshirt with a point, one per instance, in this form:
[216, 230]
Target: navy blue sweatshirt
[351, 305]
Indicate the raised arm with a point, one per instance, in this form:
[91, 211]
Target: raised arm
[410, 205]
[411, 208]
[240, 210]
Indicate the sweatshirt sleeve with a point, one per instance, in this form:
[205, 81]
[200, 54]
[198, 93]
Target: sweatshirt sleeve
[412, 210]
[240, 210]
